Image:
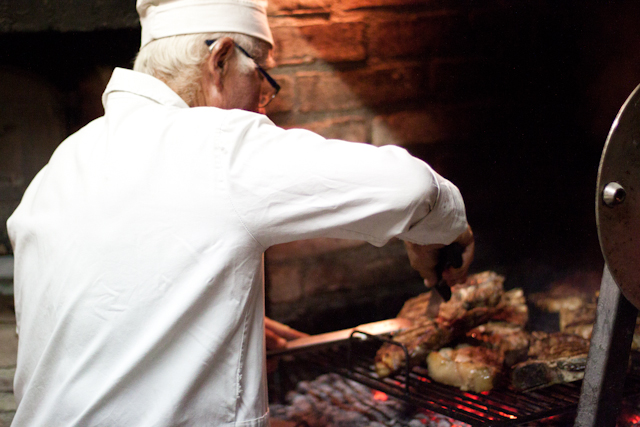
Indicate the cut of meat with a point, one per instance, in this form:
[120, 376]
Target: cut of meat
[551, 345]
[491, 325]
[534, 373]
[510, 340]
[583, 331]
[423, 337]
[579, 321]
[466, 367]
[512, 309]
[583, 314]
[471, 304]
[415, 308]
[477, 298]
[561, 296]
[553, 358]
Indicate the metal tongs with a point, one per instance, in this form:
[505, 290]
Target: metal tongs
[449, 256]
[381, 327]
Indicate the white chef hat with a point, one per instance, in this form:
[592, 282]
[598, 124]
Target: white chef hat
[164, 18]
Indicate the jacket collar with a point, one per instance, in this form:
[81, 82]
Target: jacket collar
[123, 80]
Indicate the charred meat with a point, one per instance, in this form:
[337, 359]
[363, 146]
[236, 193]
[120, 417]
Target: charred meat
[509, 340]
[552, 358]
[512, 309]
[466, 367]
[471, 304]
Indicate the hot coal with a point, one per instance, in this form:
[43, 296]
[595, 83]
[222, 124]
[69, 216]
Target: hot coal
[331, 400]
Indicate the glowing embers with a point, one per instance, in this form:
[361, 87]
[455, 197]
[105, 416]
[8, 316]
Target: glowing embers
[486, 394]
[331, 399]
[379, 395]
[487, 406]
[630, 417]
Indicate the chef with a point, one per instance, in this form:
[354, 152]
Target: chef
[138, 248]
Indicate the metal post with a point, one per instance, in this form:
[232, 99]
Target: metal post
[601, 394]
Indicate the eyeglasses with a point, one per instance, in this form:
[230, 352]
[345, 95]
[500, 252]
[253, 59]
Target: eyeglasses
[267, 92]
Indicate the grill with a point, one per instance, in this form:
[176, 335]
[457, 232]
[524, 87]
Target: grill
[497, 408]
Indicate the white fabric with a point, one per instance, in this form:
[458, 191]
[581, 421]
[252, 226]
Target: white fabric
[164, 18]
[138, 254]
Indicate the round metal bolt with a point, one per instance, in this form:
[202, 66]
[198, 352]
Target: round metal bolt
[613, 194]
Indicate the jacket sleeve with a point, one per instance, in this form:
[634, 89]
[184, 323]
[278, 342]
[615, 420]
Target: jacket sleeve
[288, 185]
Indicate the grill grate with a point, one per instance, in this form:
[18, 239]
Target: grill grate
[497, 408]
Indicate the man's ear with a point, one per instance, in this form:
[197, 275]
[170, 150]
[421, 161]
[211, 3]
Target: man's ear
[221, 54]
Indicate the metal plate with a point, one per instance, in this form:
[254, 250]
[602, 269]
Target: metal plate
[619, 220]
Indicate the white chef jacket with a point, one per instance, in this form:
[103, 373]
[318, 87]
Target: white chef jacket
[138, 254]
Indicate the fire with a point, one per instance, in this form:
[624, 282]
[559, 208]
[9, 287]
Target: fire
[632, 420]
[470, 396]
[513, 417]
[473, 411]
[378, 395]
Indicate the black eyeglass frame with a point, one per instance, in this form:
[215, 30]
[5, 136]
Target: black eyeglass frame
[274, 84]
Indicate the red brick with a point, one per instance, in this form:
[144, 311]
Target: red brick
[383, 85]
[359, 268]
[325, 277]
[348, 128]
[330, 42]
[418, 36]
[405, 128]
[285, 282]
[298, 7]
[380, 272]
[364, 4]
[308, 248]
[425, 127]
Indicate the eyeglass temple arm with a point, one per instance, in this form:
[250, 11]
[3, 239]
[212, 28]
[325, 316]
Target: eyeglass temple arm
[266, 75]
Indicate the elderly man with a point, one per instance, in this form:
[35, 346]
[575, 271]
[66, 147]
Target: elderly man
[139, 247]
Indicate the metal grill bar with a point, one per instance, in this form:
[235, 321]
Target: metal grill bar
[498, 408]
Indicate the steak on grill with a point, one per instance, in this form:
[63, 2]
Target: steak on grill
[471, 304]
[509, 340]
[579, 321]
[553, 358]
[466, 367]
[512, 309]
[560, 296]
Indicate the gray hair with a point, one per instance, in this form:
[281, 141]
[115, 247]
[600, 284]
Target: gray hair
[178, 60]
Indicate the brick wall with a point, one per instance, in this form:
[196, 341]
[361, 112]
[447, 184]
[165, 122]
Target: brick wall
[358, 69]
[510, 100]
[380, 72]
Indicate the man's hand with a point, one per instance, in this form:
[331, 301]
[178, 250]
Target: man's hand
[277, 334]
[424, 258]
